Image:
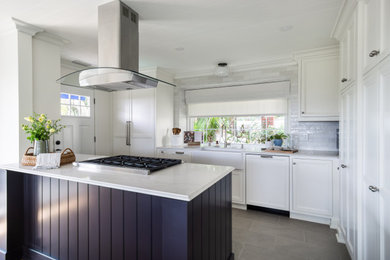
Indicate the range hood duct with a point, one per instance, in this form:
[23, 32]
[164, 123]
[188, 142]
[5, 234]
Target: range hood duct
[118, 53]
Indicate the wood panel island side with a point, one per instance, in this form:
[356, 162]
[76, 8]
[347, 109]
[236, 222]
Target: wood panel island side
[183, 212]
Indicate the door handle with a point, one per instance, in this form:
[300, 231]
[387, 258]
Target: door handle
[374, 53]
[373, 188]
[343, 166]
[128, 133]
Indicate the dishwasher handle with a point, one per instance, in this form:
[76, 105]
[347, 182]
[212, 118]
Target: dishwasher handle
[266, 156]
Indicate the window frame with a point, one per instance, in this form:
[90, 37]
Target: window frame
[78, 106]
[190, 124]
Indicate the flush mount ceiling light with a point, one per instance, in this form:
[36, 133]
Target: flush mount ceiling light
[222, 70]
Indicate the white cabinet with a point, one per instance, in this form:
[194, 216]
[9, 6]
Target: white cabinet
[348, 168]
[318, 85]
[136, 130]
[376, 153]
[268, 181]
[180, 154]
[312, 192]
[376, 34]
[348, 48]
[233, 159]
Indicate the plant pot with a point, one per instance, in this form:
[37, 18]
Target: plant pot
[278, 142]
[41, 146]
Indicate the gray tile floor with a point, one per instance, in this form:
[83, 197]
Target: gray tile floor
[259, 235]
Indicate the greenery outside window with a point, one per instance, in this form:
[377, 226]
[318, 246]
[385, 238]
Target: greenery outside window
[75, 105]
[239, 129]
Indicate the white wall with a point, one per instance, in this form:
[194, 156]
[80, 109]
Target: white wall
[311, 135]
[46, 70]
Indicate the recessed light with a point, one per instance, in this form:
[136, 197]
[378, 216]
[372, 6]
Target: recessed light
[179, 49]
[286, 28]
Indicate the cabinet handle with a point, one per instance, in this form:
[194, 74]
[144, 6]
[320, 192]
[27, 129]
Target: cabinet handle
[294, 163]
[374, 53]
[302, 112]
[179, 152]
[266, 156]
[343, 166]
[344, 80]
[373, 188]
[128, 132]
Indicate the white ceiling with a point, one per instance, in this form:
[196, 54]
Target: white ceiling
[236, 31]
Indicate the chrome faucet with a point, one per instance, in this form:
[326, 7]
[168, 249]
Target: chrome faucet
[224, 136]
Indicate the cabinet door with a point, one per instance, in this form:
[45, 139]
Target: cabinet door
[319, 81]
[143, 122]
[238, 186]
[120, 115]
[370, 218]
[268, 181]
[348, 170]
[385, 166]
[376, 22]
[312, 187]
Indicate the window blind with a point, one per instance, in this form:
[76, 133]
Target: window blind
[236, 108]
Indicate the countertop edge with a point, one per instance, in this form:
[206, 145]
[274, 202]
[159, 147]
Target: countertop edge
[10, 167]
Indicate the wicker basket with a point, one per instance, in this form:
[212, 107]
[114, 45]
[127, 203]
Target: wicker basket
[67, 156]
[29, 159]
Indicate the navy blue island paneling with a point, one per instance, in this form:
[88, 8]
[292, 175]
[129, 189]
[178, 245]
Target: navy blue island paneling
[48, 218]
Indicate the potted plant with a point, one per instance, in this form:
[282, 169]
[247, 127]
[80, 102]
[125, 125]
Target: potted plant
[40, 130]
[278, 138]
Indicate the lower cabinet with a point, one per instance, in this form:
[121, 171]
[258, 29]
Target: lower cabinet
[268, 181]
[233, 159]
[312, 188]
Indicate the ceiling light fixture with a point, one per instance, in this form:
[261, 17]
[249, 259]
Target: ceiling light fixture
[222, 70]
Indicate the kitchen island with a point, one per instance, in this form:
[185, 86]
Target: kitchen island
[182, 212]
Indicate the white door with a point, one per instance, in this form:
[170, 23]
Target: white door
[348, 171]
[121, 110]
[268, 181]
[77, 114]
[312, 190]
[370, 218]
[384, 177]
[142, 130]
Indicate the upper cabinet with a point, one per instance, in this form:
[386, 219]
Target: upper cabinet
[376, 35]
[348, 47]
[318, 85]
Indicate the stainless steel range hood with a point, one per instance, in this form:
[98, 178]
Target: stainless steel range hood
[118, 53]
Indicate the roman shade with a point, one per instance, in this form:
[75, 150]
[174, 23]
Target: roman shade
[239, 108]
[254, 99]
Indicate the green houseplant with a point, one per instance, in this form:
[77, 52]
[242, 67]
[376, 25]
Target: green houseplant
[39, 131]
[278, 138]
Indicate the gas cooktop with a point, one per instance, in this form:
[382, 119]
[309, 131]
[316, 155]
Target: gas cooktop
[135, 164]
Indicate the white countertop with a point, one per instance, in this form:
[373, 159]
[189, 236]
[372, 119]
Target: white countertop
[181, 182]
[313, 154]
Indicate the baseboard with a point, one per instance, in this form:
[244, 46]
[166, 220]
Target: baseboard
[239, 206]
[334, 223]
[269, 210]
[310, 218]
[339, 236]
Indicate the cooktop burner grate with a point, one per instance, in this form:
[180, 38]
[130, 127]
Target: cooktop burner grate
[149, 164]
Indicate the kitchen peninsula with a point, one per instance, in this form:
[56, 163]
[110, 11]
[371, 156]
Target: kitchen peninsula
[181, 212]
